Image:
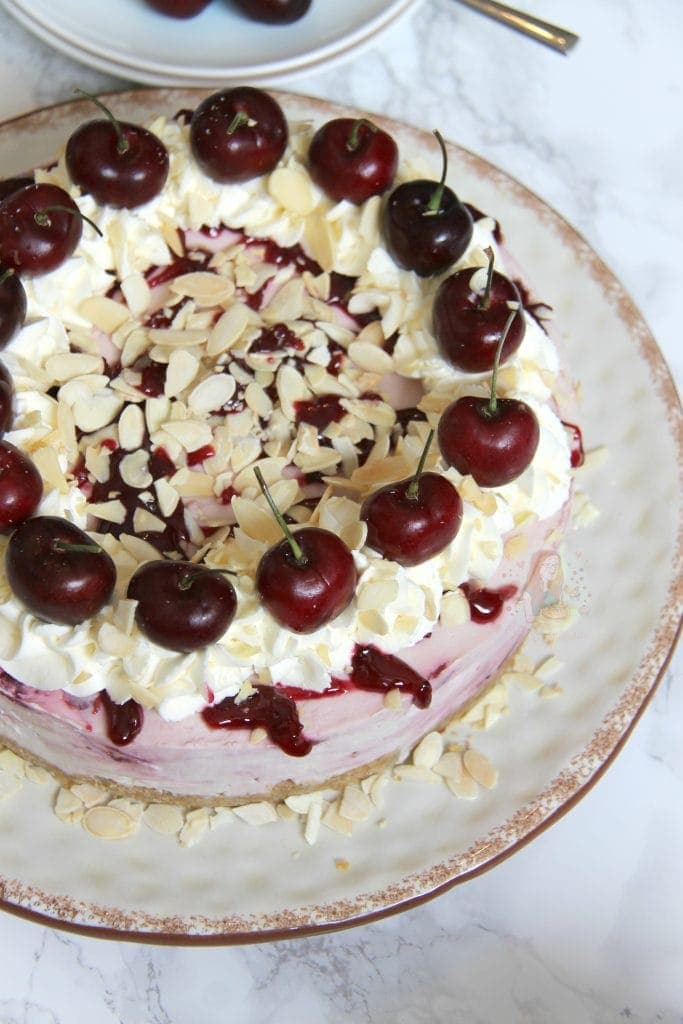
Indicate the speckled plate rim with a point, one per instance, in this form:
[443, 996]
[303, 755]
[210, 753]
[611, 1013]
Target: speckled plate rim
[526, 821]
[160, 73]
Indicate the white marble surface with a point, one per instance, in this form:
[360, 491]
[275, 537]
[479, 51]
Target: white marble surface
[585, 923]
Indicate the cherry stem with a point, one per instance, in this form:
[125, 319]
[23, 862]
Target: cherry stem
[434, 204]
[64, 547]
[486, 297]
[413, 488]
[43, 221]
[353, 141]
[299, 556]
[185, 582]
[239, 120]
[493, 401]
[122, 143]
[6, 274]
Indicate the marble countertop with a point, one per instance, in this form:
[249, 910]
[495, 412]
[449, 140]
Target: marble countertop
[585, 924]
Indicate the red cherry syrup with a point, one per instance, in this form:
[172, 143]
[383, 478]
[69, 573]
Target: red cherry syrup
[371, 669]
[486, 605]
[124, 721]
[267, 708]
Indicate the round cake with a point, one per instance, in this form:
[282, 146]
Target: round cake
[250, 339]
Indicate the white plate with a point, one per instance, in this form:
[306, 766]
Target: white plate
[130, 39]
[247, 884]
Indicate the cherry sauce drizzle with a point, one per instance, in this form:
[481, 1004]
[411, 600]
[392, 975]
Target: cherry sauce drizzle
[486, 605]
[371, 669]
[577, 454]
[268, 709]
[124, 721]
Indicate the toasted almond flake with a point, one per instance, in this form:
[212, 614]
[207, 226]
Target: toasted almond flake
[68, 807]
[284, 812]
[167, 819]
[171, 338]
[370, 357]
[131, 428]
[548, 667]
[428, 751]
[287, 303]
[319, 241]
[107, 314]
[146, 522]
[9, 785]
[135, 345]
[221, 816]
[414, 773]
[88, 794]
[182, 369]
[258, 401]
[206, 288]
[114, 642]
[465, 788]
[260, 813]
[138, 549]
[97, 411]
[113, 511]
[47, 463]
[12, 763]
[378, 788]
[137, 293]
[449, 765]
[197, 824]
[257, 735]
[228, 329]
[480, 768]
[355, 804]
[211, 393]
[66, 365]
[134, 469]
[313, 820]
[292, 189]
[333, 820]
[300, 803]
[550, 690]
[190, 434]
[41, 776]
[167, 496]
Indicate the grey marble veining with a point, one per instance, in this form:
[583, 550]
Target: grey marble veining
[586, 923]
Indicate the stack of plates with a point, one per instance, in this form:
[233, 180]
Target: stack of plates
[129, 39]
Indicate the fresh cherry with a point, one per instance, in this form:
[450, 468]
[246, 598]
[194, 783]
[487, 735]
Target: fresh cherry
[492, 439]
[352, 159]
[21, 487]
[412, 520]
[238, 134]
[181, 605]
[118, 163]
[8, 186]
[59, 573]
[274, 12]
[179, 8]
[40, 226]
[308, 578]
[468, 322]
[12, 304]
[6, 400]
[426, 227]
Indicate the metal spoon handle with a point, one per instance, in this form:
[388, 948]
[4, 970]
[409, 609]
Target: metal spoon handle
[542, 31]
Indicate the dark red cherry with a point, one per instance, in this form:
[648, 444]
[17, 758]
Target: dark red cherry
[179, 8]
[21, 487]
[274, 12]
[307, 579]
[352, 159]
[426, 227]
[306, 591]
[468, 323]
[12, 304]
[181, 605]
[238, 134]
[492, 439]
[412, 520]
[40, 226]
[58, 571]
[118, 163]
[6, 400]
[8, 186]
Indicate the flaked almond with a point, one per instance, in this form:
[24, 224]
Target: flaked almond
[166, 819]
[134, 469]
[113, 511]
[320, 241]
[131, 428]
[370, 357]
[182, 369]
[190, 434]
[480, 768]
[105, 313]
[167, 496]
[211, 393]
[47, 462]
[66, 365]
[228, 329]
[286, 304]
[145, 522]
[135, 345]
[428, 751]
[171, 338]
[97, 411]
[260, 813]
[292, 189]
[137, 293]
[205, 288]
[355, 804]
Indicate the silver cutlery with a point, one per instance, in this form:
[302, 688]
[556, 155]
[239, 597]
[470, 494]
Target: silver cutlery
[557, 38]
